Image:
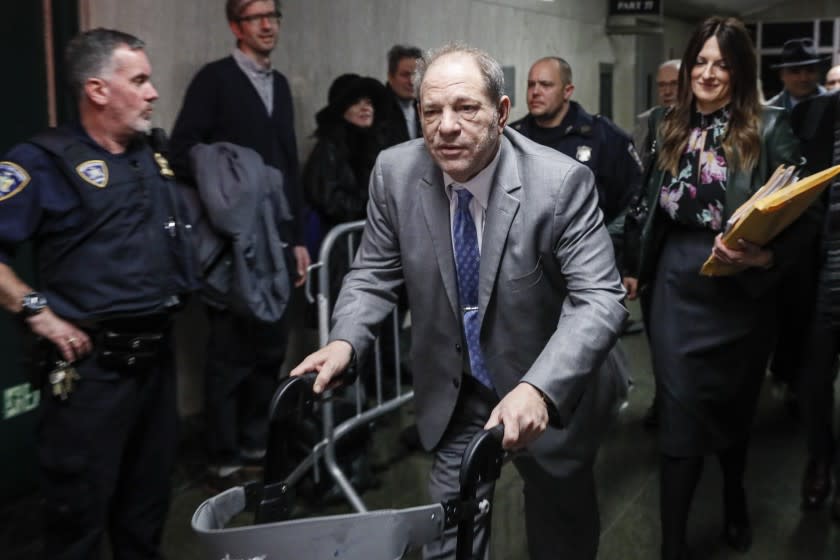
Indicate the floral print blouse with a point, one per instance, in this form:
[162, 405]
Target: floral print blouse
[695, 196]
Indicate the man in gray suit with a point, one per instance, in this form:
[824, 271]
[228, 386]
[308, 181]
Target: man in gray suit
[533, 349]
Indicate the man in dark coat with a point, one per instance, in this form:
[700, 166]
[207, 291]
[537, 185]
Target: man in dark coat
[799, 71]
[242, 100]
[399, 120]
[817, 123]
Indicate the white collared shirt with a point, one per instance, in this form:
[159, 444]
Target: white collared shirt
[479, 186]
[409, 111]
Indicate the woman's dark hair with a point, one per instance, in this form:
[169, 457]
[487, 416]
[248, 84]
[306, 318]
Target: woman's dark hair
[742, 143]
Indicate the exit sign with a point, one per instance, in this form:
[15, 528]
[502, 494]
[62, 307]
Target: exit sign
[18, 400]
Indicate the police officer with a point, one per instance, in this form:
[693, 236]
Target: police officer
[112, 260]
[555, 120]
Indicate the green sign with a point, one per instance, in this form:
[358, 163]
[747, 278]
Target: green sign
[19, 399]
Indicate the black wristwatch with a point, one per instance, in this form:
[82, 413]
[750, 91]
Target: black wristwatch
[33, 303]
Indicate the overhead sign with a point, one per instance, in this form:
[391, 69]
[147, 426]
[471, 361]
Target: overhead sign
[635, 7]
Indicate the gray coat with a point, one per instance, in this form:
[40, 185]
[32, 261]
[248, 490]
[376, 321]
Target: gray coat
[240, 250]
[550, 304]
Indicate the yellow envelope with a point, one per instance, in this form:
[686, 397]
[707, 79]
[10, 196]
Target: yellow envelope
[770, 215]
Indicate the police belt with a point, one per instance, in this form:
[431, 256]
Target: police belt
[129, 344]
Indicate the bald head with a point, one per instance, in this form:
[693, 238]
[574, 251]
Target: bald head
[549, 90]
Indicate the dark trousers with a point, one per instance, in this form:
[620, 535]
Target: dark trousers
[243, 364]
[819, 371]
[561, 512]
[106, 456]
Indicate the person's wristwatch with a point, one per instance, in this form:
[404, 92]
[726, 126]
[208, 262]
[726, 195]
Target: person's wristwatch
[32, 304]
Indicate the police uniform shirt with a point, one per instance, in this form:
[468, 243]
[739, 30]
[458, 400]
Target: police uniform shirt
[34, 196]
[599, 144]
[92, 261]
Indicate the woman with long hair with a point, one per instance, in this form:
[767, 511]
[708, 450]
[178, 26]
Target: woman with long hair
[711, 336]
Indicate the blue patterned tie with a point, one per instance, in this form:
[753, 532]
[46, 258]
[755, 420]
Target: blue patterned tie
[467, 261]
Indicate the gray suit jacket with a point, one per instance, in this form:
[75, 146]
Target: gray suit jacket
[549, 294]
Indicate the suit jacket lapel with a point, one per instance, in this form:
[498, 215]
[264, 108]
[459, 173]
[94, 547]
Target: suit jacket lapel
[501, 209]
[435, 206]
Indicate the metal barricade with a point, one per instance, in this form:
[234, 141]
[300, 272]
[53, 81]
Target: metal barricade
[345, 237]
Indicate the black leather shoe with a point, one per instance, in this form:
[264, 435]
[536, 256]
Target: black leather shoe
[738, 536]
[816, 484]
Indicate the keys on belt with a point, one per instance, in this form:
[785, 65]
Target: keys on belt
[62, 379]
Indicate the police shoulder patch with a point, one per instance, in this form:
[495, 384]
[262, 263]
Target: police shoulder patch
[13, 179]
[95, 172]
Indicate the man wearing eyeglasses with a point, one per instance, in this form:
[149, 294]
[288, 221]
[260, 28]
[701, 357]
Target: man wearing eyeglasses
[241, 99]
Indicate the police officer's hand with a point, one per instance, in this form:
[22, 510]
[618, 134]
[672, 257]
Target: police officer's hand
[524, 414]
[632, 286]
[745, 256]
[72, 342]
[329, 362]
[302, 260]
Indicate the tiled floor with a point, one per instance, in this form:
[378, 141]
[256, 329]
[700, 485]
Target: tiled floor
[628, 490]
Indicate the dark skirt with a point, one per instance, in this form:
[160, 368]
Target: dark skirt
[710, 341]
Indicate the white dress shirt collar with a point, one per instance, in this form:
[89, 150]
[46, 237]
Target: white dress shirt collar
[479, 185]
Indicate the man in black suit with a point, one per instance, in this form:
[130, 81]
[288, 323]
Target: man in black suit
[241, 99]
[816, 122]
[400, 120]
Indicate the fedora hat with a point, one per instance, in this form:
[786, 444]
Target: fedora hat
[798, 52]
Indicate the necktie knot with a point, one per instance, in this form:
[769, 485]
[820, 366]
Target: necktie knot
[464, 198]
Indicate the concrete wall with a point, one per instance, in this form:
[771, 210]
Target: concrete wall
[677, 33]
[321, 39]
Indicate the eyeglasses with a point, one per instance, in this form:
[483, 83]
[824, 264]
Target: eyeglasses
[271, 17]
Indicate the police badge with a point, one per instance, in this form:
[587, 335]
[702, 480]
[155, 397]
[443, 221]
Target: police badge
[165, 170]
[94, 172]
[584, 153]
[13, 179]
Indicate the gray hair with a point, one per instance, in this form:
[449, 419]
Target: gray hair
[90, 54]
[675, 62]
[399, 52]
[491, 70]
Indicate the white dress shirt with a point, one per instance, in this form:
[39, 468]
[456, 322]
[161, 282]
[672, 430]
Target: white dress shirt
[479, 186]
